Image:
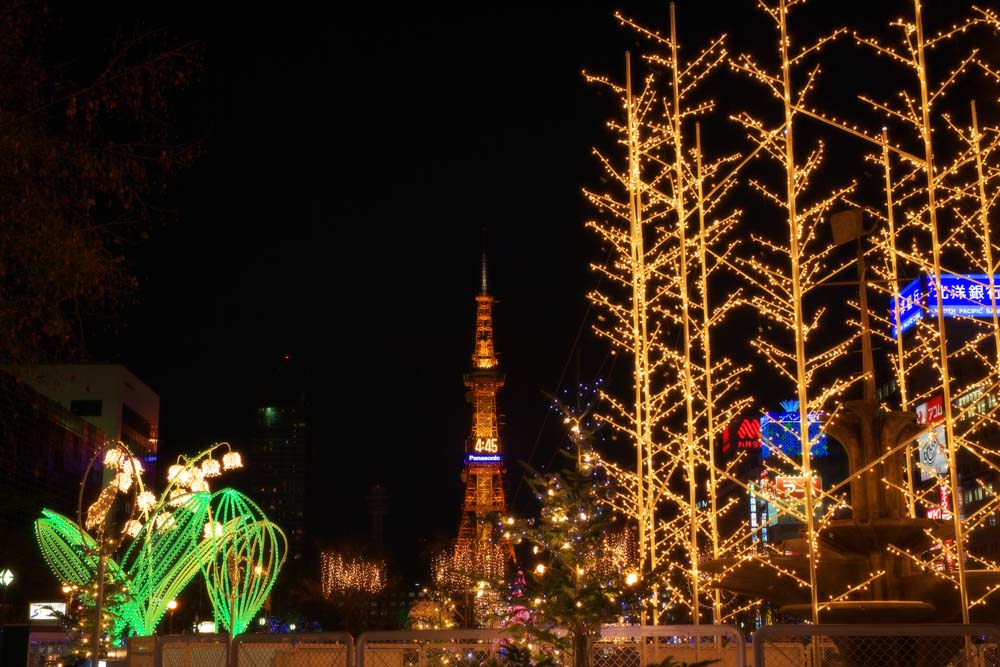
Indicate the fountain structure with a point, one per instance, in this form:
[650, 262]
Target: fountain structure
[872, 543]
[872, 539]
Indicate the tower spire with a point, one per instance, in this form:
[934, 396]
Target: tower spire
[484, 261]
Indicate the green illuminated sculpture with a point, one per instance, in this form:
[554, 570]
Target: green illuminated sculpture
[245, 559]
[223, 535]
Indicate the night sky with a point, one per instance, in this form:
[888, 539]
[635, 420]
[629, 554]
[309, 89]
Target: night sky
[356, 159]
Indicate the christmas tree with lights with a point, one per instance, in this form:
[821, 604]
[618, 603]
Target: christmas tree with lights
[579, 582]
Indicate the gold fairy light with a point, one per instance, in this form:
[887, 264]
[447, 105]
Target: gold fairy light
[145, 501]
[177, 496]
[122, 481]
[937, 203]
[213, 529]
[946, 237]
[458, 569]
[431, 615]
[679, 394]
[340, 574]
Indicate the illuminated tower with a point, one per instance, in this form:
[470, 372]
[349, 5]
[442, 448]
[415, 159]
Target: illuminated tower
[478, 556]
[483, 454]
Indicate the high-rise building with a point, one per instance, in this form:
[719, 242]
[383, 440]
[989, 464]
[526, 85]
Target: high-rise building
[279, 455]
[58, 418]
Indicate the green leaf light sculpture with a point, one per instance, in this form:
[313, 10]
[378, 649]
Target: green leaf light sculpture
[164, 557]
[70, 554]
[247, 555]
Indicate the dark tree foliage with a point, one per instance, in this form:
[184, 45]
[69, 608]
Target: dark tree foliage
[87, 148]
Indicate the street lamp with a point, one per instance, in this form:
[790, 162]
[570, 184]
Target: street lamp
[172, 605]
[6, 578]
[849, 226]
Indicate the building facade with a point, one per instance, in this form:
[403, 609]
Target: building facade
[44, 452]
[108, 396]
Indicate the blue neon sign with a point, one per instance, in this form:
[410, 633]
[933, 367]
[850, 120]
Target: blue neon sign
[965, 295]
[484, 458]
[911, 307]
[781, 430]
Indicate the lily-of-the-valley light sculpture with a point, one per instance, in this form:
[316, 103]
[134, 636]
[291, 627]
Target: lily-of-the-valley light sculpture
[164, 542]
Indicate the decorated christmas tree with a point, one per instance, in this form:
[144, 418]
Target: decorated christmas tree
[579, 579]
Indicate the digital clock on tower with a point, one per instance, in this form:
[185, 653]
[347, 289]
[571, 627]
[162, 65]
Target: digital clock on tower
[485, 446]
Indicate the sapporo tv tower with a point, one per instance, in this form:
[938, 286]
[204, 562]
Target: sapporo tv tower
[479, 554]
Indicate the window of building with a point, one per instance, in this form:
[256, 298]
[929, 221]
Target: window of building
[136, 431]
[87, 408]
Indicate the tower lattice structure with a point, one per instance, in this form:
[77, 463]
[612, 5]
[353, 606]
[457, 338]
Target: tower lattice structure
[478, 553]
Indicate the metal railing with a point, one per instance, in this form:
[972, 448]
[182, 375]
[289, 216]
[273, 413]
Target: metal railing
[885, 645]
[201, 650]
[322, 649]
[142, 651]
[431, 648]
[640, 646]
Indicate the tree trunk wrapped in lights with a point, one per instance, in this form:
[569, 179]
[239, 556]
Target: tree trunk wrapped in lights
[788, 267]
[944, 236]
[665, 246]
[944, 241]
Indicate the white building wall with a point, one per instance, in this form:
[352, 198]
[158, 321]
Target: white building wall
[112, 384]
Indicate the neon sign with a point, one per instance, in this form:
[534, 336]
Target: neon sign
[488, 458]
[964, 295]
[747, 436]
[780, 430]
[910, 302]
[795, 487]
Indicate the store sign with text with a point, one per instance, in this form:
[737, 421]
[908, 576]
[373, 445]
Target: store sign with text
[931, 446]
[795, 487]
[962, 295]
[745, 435]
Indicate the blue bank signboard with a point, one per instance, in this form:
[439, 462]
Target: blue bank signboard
[965, 295]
